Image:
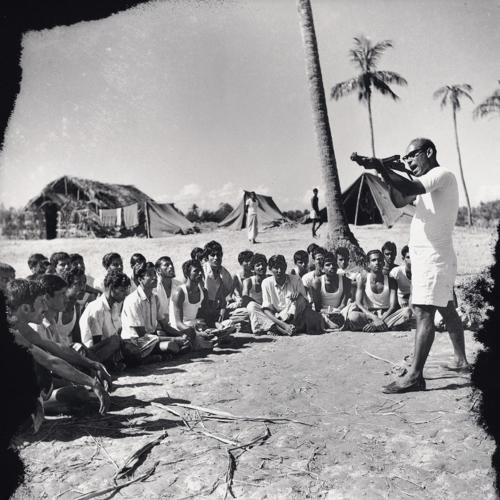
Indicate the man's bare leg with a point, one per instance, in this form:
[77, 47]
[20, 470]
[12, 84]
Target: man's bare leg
[456, 332]
[424, 338]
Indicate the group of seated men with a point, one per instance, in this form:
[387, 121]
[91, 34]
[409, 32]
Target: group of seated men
[79, 329]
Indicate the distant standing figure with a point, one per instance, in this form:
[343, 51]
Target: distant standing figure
[315, 217]
[252, 222]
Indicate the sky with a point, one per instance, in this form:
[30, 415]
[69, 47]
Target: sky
[192, 102]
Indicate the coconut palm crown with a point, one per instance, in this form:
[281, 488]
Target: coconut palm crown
[451, 95]
[490, 106]
[365, 57]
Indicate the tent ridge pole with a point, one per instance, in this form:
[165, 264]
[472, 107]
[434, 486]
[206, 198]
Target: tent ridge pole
[357, 200]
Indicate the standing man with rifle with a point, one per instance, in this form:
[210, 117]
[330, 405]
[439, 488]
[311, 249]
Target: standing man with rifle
[434, 263]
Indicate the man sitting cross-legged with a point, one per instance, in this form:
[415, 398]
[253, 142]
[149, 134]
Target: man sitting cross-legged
[301, 261]
[110, 261]
[187, 305]
[389, 252]
[100, 323]
[244, 259]
[403, 318]
[284, 298]
[319, 260]
[38, 265]
[59, 262]
[90, 293]
[135, 259]
[218, 284]
[330, 293]
[26, 306]
[141, 331]
[375, 297]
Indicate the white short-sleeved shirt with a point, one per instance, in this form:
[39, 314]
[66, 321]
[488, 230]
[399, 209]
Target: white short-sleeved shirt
[436, 210]
[252, 206]
[404, 284]
[137, 311]
[276, 297]
[99, 319]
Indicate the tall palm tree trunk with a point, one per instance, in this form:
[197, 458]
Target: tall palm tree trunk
[469, 214]
[338, 229]
[370, 118]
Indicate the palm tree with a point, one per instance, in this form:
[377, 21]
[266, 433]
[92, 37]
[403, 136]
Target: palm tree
[339, 233]
[365, 57]
[452, 94]
[490, 105]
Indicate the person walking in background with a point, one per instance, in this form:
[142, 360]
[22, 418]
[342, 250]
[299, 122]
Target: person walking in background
[252, 221]
[315, 217]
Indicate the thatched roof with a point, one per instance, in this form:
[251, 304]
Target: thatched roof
[68, 189]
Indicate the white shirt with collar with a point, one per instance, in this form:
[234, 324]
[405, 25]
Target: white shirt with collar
[276, 297]
[139, 311]
[99, 319]
[163, 300]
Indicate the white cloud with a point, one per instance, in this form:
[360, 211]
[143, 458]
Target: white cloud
[227, 192]
[186, 196]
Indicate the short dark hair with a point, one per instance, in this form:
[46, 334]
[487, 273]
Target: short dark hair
[405, 250]
[141, 268]
[315, 190]
[75, 257]
[164, 258]
[389, 245]
[213, 247]
[256, 258]
[21, 291]
[188, 265]
[197, 253]
[245, 255]
[51, 283]
[136, 258]
[6, 268]
[116, 279]
[73, 274]
[425, 143]
[35, 259]
[109, 257]
[311, 247]
[318, 250]
[58, 256]
[343, 252]
[372, 252]
[277, 261]
[330, 257]
[300, 255]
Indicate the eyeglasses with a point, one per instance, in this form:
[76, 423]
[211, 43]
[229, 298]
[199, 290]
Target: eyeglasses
[412, 154]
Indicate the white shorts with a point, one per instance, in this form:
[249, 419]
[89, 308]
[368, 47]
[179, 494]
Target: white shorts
[433, 273]
[314, 215]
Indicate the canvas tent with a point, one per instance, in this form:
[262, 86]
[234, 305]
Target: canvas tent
[367, 201]
[83, 198]
[268, 213]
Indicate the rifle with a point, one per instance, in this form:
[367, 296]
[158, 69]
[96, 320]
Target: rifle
[393, 162]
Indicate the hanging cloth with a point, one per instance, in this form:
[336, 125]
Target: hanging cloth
[131, 216]
[108, 217]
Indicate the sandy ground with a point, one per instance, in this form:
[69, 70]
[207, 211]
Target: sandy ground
[359, 443]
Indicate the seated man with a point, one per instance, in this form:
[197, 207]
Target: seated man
[59, 262]
[60, 322]
[7, 274]
[389, 251]
[403, 318]
[330, 293]
[244, 259]
[100, 322]
[140, 329]
[110, 261]
[198, 254]
[375, 297]
[260, 322]
[284, 298]
[308, 278]
[167, 284]
[187, 306]
[136, 258]
[310, 251]
[26, 305]
[38, 265]
[89, 293]
[301, 261]
[218, 283]
[343, 258]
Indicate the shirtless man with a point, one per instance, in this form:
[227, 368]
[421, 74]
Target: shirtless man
[375, 297]
[308, 278]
